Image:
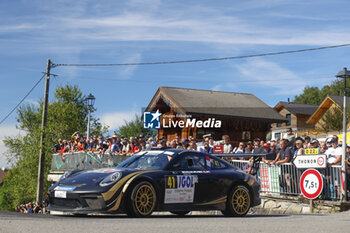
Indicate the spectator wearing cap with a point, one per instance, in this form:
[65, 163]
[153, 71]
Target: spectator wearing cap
[162, 143]
[207, 149]
[125, 147]
[334, 153]
[114, 148]
[88, 145]
[249, 148]
[239, 149]
[227, 145]
[314, 143]
[285, 153]
[257, 149]
[185, 143]
[271, 153]
[273, 145]
[58, 147]
[150, 143]
[141, 138]
[133, 148]
[307, 142]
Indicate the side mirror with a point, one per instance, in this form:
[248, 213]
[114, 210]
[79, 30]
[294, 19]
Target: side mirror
[176, 167]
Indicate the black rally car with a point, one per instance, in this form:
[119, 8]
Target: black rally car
[172, 180]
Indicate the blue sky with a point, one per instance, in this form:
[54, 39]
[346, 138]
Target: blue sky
[106, 31]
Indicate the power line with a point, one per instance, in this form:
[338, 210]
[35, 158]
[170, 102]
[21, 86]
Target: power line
[20, 102]
[209, 59]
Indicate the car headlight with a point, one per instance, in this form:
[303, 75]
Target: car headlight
[112, 178]
[65, 175]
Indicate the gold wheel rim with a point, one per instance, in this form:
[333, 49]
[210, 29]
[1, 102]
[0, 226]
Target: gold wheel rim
[144, 199]
[241, 201]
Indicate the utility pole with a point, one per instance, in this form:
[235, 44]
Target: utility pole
[344, 74]
[40, 183]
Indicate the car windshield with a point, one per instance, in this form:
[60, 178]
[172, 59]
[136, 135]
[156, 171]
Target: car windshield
[150, 160]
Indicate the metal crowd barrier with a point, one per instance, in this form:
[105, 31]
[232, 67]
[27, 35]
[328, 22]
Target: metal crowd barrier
[84, 160]
[284, 179]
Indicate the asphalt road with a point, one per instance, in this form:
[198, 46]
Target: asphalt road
[16, 222]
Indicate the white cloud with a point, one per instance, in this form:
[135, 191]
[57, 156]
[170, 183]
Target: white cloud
[20, 27]
[190, 24]
[116, 119]
[279, 80]
[32, 102]
[127, 71]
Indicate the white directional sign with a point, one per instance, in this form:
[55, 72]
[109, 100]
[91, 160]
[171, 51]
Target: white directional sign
[311, 183]
[310, 161]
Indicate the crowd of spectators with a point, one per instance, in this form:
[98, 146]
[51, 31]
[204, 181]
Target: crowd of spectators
[281, 150]
[32, 208]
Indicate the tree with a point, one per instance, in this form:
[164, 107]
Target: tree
[332, 120]
[134, 128]
[67, 113]
[314, 95]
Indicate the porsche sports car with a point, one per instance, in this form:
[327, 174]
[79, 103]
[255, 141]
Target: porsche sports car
[172, 180]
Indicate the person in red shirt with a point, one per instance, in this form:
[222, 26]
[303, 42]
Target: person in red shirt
[134, 148]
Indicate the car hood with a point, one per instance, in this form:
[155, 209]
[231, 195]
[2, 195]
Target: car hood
[86, 179]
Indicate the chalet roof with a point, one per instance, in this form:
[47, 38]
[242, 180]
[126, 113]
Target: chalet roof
[325, 105]
[232, 104]
[295, 108]
[339, 99]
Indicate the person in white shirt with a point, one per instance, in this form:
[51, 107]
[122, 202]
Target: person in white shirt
[227, 145]
[334, 153]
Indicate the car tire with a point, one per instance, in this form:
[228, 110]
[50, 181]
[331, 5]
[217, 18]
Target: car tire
[238, 202]
[180, 213]
[142, 200]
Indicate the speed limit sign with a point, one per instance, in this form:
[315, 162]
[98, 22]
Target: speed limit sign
[311, 183]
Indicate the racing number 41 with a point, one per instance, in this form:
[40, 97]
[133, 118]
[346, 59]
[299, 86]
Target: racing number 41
[171, 182]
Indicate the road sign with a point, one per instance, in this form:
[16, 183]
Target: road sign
[311, 183]
[310, 161]
[312, 151]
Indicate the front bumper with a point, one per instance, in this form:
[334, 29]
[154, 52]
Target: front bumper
[76, 202]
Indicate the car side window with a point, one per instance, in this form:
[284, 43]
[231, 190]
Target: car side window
[191, 162]
[216, 164]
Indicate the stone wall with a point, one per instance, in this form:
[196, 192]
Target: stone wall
[296, 205]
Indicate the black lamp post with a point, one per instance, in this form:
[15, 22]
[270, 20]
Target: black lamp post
[344, 74]
[90, 100]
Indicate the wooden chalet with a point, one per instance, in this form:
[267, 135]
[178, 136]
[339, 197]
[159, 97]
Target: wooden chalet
[330, 103]
[296, 116]
[243, 116]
